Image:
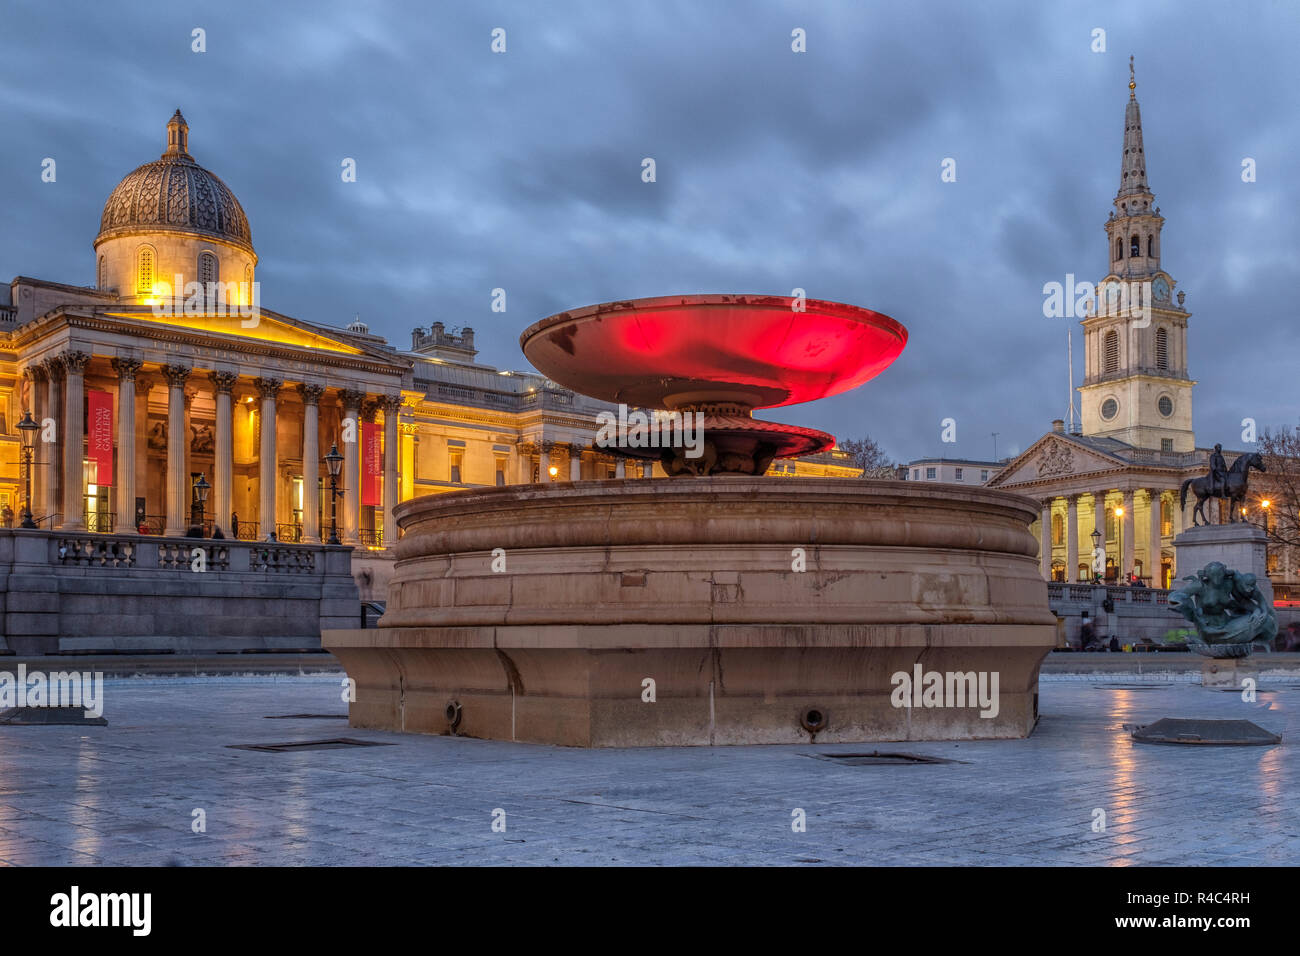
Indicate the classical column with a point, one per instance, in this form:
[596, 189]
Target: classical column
[1045, 540]
[391, 404]
[40, 378]
[1072, 537]
[52, 452]
[351, 477]
[310, 461]
[406, 460]
[575, 463]
[74, 452]
[126, 369]
[647, 469]
[1129, 533]
[223, 386]
[178, 498]
[544, 462]
[526, 450]
[1153, 537]
[620, 469]
[267, 467]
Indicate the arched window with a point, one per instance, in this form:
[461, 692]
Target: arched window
[1058, 529]
[1119, 249]
[1110, 346]
[144, 270]
[1162, 349]
[1151, 246]
[208, 269]
[101, 282]
[1135, 246]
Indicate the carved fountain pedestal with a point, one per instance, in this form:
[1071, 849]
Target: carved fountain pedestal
[726, 609]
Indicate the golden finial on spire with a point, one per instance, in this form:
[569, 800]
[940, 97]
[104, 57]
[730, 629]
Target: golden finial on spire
[1132, 82]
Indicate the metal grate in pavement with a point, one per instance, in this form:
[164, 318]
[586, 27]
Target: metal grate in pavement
[334, 743]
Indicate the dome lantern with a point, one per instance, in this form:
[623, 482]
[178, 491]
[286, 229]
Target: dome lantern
[178, 137]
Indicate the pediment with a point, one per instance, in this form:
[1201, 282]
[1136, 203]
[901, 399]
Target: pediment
[261, 327]
[1054, 456]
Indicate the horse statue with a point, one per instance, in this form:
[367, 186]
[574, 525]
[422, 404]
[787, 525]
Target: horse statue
[1234, 488]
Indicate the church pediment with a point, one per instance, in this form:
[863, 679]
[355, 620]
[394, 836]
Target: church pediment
[1054, 456]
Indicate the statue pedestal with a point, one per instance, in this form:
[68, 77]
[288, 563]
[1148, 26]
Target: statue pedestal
[1240, 547]
[1226, 673]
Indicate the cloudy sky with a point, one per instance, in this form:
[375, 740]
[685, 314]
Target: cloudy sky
[775, 170]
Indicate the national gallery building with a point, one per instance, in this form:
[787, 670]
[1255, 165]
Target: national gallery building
[141, 388]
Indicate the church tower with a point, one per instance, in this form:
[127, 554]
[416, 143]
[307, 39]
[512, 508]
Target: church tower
[1136, 387]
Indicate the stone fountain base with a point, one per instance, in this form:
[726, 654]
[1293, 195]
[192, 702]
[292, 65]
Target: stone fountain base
[674, 612]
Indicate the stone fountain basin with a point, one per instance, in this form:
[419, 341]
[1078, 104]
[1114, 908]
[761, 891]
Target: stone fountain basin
[691, 350]
[689, 583]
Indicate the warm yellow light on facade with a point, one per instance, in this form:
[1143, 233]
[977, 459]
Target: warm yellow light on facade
[1119, 512]
[1265, 503]
[554, 471]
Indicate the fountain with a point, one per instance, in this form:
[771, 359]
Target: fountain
[717, 606]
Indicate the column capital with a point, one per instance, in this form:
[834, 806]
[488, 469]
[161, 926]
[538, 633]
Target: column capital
[176, 374]
[351, 398]
[224, 382]
[74, 361]
[368, 409]
[390, 403]
[409, 428]
[54, 367]
[267, 387]
[126, 368]
[37, 372]
[310, 393]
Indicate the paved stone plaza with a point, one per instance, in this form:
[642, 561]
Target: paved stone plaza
[125, 794]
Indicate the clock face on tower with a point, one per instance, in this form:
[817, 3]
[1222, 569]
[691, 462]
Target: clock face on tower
[1161, 288]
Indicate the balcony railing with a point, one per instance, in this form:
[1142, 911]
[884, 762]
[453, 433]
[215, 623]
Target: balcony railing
[1058, 592]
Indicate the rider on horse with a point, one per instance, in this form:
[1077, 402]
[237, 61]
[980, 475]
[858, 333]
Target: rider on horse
[1218, 473]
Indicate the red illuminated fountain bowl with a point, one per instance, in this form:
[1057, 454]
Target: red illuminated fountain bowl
[722, 355]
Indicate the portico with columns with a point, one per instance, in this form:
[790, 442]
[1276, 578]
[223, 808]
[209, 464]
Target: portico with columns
[197, 401]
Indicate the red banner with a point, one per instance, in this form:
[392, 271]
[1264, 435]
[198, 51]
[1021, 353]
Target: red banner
[372, 463]
[99, 434]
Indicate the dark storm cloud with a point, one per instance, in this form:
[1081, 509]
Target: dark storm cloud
[775, 170]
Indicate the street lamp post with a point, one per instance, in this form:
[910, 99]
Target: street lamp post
[334, 463]
[28, 429]
[1096, 545]
[201, 490]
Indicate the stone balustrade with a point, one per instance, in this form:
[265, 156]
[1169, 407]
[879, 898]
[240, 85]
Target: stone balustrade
[74, 592]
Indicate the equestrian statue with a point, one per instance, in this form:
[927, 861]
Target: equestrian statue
[1221, 482]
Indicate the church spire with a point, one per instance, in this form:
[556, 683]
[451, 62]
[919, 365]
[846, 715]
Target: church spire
[1133, 178]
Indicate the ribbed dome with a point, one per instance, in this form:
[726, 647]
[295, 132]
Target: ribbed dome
[175, 193]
